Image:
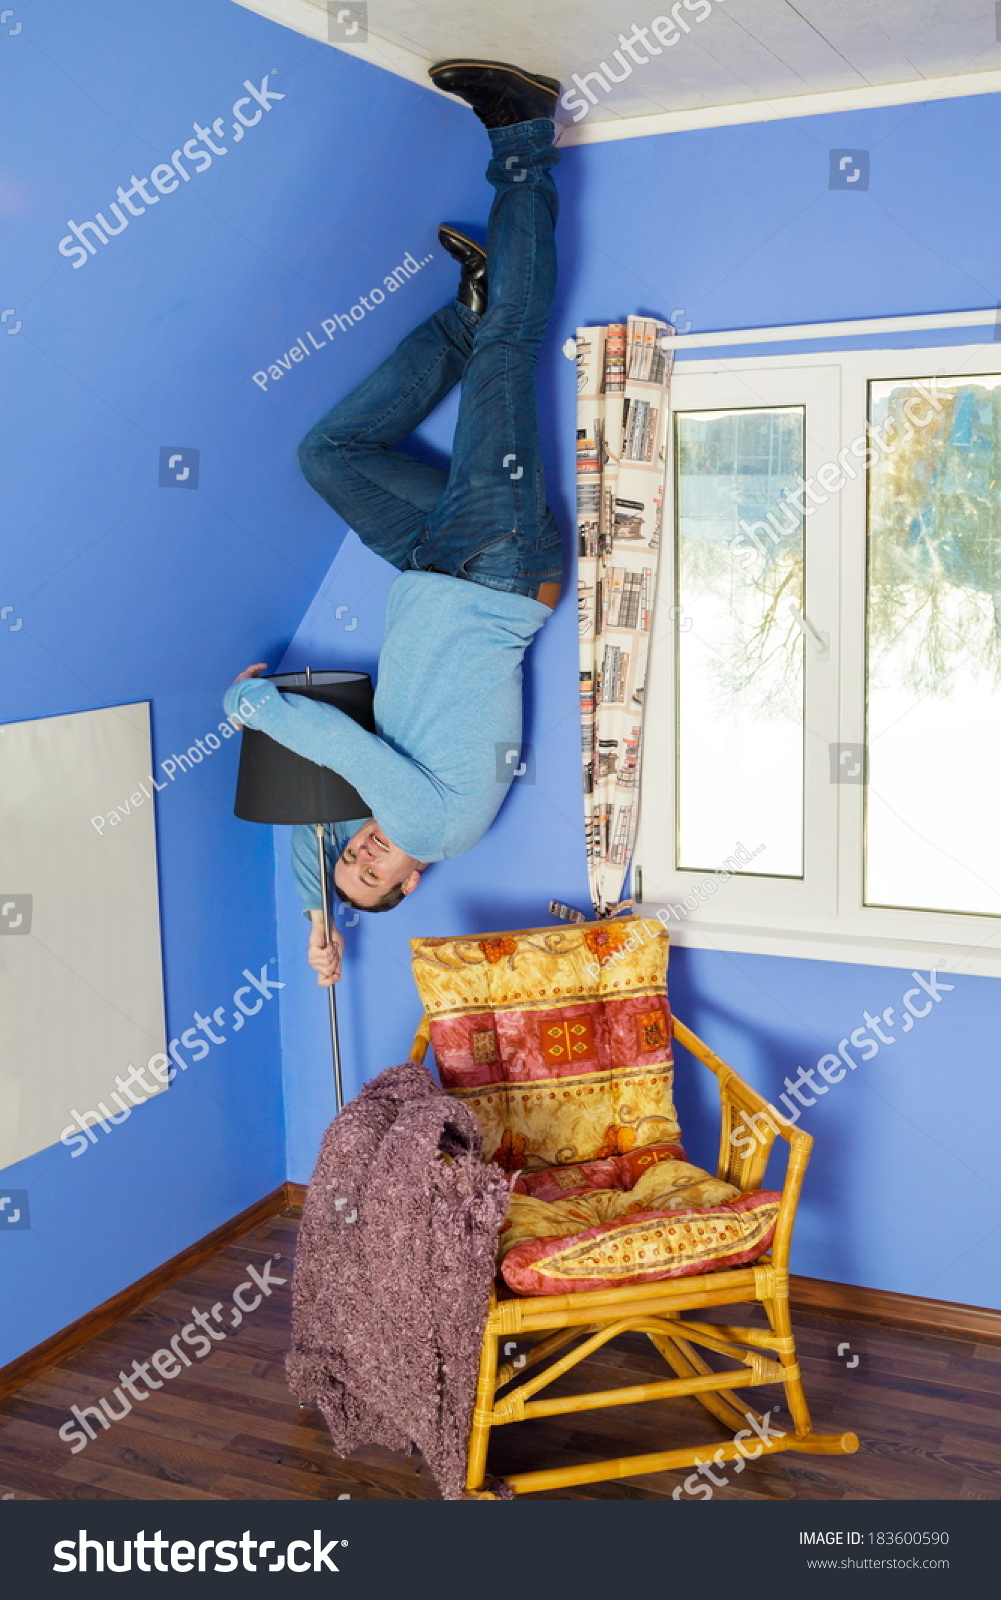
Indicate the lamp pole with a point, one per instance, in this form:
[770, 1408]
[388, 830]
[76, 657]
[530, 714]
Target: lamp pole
[335, 1045]
[277, 787]
[321, 846]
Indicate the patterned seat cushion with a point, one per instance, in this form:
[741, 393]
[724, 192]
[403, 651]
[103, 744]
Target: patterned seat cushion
[673, 1221]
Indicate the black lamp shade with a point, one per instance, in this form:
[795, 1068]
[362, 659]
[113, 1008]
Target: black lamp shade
[276, 785]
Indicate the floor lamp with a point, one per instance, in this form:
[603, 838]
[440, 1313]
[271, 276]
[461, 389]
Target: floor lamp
[275, 785]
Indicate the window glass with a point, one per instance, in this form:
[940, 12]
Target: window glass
[738, 622]
[933, 823]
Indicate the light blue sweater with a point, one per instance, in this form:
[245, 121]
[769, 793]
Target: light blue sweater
[447, 711]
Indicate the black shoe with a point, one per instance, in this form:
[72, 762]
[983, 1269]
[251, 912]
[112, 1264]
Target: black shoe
[498, 92]
[472, 258]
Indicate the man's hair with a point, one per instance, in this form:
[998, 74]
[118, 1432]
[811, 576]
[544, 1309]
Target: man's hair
[387, 902]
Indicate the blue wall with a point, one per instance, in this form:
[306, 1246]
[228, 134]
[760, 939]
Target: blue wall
[737, 227]
[129, 591]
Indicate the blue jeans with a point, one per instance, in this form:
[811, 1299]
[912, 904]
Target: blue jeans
[487, 518]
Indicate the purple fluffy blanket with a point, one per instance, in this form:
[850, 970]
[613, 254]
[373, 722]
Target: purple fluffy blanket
[392, 1278]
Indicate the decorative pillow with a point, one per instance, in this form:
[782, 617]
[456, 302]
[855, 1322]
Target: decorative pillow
[644, 1247]
[558, 1038]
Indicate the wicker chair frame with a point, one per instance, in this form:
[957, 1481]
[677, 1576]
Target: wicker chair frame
[663, 1311]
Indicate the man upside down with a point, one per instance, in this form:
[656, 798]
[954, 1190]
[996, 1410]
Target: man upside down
[477, 548]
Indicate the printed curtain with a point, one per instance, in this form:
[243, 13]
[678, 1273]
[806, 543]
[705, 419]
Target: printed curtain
[623, 374]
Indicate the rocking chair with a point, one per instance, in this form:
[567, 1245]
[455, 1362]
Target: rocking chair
[560, 1040]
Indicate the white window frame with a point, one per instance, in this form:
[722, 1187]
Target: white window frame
[820, 916]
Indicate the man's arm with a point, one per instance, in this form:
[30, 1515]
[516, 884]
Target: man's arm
[409, 805]
[325, 951]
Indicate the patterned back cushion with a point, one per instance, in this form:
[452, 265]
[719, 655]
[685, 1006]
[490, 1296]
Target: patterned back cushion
[558, 1038]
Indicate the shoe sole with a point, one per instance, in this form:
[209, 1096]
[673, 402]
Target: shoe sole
[455, 233]
[550, 85]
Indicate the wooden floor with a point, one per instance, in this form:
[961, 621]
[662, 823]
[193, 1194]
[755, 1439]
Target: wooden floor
[927, 1409]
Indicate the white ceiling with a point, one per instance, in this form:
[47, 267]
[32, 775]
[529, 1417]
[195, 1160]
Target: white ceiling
[746, 60]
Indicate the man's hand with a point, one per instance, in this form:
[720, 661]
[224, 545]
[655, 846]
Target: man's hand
[325, 950]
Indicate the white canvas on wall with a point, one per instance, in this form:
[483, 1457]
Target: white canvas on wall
[81, 979]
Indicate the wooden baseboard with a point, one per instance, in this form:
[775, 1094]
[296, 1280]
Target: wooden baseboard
[842, 1300]
[845, 1300]
[68, 1340]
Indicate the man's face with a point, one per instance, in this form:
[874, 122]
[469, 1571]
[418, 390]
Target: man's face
[369, 866]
